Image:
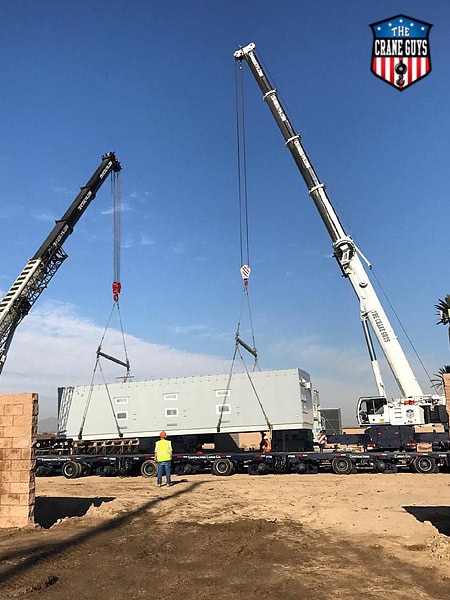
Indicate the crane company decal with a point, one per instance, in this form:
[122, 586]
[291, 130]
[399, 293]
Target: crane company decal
[401, 51]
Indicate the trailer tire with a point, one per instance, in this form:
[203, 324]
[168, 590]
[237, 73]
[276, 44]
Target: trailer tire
[42, 471]
[253, 469]
[149, 468]
[424, 464]
[222, 467]
[188, 469]
[86, 469]
[71, 469]
[301, 467]
[263, 469]
[380, 466]
[342, 465]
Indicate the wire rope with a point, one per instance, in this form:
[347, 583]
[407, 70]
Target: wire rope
[402, 327]
[244, 246]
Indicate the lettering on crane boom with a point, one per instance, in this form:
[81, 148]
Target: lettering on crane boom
[381, 328]
[106, 169]
[255, 63]
[60, 235]
[85, 199]
[278, 107]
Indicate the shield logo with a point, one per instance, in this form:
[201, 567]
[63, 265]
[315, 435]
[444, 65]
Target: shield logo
[401, 51]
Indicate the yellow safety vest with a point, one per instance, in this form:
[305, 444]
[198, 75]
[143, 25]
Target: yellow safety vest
[163, 450]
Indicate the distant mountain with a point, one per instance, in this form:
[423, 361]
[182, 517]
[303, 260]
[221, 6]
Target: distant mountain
[48, 425]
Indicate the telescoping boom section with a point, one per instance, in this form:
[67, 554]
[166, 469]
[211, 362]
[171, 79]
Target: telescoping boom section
[348, 258]
[39, 270]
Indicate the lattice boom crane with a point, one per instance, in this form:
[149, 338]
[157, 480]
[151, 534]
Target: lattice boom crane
[39, 270]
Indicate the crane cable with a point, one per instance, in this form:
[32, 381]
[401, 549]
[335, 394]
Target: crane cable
[403, 328]
[243, 210]
[244, 249]
[116, 289]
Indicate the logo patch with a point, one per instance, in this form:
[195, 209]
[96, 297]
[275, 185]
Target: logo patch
[401, 51]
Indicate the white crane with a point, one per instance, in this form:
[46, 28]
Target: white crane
[414, 407]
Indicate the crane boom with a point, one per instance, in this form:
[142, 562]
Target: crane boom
[39, 270]
[344, 248]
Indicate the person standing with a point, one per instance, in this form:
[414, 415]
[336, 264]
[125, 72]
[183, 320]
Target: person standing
[163, 457]
[265, 444]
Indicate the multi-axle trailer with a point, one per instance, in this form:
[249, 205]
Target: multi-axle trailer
[253, 463]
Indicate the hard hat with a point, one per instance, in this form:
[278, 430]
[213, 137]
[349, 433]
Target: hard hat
[163, 434]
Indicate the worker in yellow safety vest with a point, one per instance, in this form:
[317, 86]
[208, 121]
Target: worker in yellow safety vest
[163, 457]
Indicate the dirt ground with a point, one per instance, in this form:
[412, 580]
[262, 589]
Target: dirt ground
[288, 536]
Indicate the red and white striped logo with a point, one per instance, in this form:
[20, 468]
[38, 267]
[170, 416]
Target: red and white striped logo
[401, 51]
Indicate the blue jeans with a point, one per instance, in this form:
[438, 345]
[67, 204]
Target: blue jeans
[164, 467]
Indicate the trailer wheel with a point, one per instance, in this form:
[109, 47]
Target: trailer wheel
[41, 471]
[424, 464]
[86, 469]
[222, 467]
[71, 469]
[253, 469]
[149, 468]
[342, 465]
[301, 467]
[179, 469]
[380, 466]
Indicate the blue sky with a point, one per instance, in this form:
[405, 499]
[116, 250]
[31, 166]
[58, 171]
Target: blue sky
[154, 82]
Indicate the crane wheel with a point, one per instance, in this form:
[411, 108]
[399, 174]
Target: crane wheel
[149, 468]
[222, 467]
[71, 469]
[424, 464]
[341, 465]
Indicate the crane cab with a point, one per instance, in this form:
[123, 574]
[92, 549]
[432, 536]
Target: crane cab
[372, 411]
[377, 410]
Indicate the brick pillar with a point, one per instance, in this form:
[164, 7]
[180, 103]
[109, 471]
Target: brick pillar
[18, 429]
[446, 377]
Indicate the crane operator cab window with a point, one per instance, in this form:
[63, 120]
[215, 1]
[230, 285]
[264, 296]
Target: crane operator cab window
[368, 407]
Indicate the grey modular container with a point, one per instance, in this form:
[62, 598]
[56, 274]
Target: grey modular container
[188, 405]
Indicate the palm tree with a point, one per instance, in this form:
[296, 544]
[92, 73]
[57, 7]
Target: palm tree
[438, 379]
[443, 312]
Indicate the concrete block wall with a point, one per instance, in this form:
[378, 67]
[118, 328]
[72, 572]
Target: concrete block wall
[18, 429]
